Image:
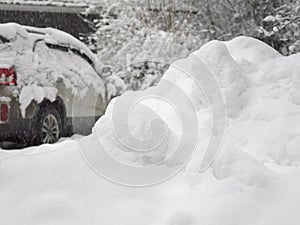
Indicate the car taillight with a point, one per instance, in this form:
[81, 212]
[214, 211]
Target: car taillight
[8, 77]
[4, 112]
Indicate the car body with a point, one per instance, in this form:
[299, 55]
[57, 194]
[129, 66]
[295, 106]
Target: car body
[47, 76]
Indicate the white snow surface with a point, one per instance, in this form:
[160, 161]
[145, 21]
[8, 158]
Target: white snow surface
[254, 179]
[270, 19]
[5, 99]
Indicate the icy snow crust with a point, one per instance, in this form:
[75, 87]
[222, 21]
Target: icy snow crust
[254, 179]
[38, 68]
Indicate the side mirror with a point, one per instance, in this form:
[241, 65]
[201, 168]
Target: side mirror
[107, 71]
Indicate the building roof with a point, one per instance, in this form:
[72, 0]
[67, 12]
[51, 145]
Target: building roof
[61, 3]
[68, 19]
[153, 4]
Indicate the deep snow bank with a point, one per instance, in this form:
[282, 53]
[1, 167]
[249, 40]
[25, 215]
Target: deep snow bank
[254, 179]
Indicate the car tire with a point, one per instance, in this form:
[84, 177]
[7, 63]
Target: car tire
[48, 126]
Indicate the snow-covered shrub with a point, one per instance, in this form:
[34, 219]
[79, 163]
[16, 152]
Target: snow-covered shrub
[129, 33]
[140, 76]
[280, 27]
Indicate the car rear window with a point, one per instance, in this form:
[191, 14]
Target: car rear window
[61, 61]
[74, 50]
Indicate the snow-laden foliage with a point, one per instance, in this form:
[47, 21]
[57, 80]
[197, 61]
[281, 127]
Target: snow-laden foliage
[140, 76]
[130, 33]
[281, 27]
[132, 30]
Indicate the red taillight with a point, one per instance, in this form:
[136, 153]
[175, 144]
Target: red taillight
[8, 77]
[4, 112]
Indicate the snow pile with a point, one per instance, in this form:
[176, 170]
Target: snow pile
[227, 72]
[254, 179]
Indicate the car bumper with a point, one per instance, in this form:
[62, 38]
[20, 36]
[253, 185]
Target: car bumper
[18, 130]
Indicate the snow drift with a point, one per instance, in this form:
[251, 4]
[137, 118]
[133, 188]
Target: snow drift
[253, 180]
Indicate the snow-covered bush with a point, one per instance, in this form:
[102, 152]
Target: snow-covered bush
[131, 33]
[281, 27]
[140, 76]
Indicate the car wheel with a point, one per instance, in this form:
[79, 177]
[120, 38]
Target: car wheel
[49, 126]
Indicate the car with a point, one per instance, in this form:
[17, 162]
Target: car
[51, 85]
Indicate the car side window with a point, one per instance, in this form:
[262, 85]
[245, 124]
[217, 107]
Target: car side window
[68, 64]
[44, 63]
[3, 40]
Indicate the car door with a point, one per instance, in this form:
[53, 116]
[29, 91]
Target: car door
[78, 85]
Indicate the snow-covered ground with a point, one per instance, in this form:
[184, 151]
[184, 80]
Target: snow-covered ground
[237, 100]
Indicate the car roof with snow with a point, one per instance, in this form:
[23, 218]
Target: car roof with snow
[9, 32]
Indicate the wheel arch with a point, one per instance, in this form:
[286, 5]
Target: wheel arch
[58, 104]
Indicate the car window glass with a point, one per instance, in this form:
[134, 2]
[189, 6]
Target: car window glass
[3, 42]
[61, 62]
[45, 63]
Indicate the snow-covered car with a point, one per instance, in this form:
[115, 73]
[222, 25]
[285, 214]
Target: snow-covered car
[51, 85]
